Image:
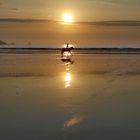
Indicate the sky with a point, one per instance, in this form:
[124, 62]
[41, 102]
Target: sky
[82, 10]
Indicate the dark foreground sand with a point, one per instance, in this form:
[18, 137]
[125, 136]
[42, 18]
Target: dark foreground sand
[97, 97]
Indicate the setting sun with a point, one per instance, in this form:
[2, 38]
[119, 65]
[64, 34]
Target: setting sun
[68, 18]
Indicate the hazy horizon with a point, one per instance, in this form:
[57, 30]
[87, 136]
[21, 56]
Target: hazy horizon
[45, 33]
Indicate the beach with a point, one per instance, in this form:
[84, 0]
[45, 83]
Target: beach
[94, 97]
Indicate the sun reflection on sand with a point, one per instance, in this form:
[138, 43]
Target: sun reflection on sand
[68, 75]
[67, 59]
[68, 79]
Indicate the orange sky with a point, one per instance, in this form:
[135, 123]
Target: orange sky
[82, 10]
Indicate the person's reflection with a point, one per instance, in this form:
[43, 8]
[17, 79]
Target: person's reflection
[67, 59]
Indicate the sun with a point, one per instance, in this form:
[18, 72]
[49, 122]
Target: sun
[68, 18]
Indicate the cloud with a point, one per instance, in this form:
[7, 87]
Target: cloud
[14, 9]
[123, 2]
[116, 2]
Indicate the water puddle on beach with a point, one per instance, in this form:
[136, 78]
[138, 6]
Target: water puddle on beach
[85, 97]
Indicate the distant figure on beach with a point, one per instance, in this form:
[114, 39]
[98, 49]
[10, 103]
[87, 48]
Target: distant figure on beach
[67, 49]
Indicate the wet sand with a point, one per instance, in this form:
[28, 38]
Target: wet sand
[96, 97]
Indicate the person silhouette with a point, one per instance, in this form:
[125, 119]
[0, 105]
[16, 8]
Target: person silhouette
[67, 46]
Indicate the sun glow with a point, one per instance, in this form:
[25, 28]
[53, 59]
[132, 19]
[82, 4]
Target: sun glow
[68, 18]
